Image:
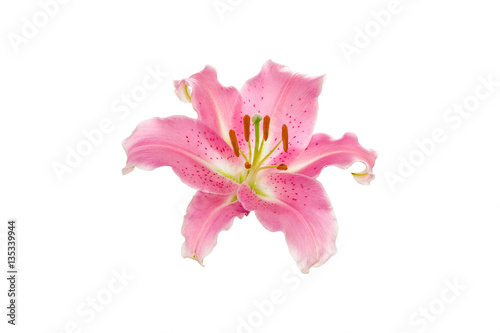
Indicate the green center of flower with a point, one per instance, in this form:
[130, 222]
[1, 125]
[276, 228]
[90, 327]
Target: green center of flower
[256, 156]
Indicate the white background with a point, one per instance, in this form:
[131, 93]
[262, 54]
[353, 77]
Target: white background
[397, 247]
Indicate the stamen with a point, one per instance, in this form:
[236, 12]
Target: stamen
[246, 127]
[244, 156]
[284, 137]
[269, 154]
[234, 143]
[282, 167]
[254, 165]
[267, 120]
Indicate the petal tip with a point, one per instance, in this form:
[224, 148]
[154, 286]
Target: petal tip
[127, 170]
[188, 254]
[182, 91]
[305, 269]
[194, 257]
[364, 178]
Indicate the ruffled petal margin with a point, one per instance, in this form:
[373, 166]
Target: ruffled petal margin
[289, 98]
[298, 206]
[196, 153]
[207, 215]
[214, 103]
[323, 151]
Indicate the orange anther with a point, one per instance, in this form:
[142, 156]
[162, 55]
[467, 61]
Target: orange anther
[246, 127]
[284, 136]
[234, 143]
[282, 167]
[267, 120]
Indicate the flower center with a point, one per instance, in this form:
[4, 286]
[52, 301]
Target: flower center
[256, 156]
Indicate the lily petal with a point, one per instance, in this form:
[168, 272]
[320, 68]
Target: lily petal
[214, 103]
[288, 98]
[207, 215]
[298, 206]
[323, 151]
[196, 153]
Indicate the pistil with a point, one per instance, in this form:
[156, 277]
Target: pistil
[256, 118]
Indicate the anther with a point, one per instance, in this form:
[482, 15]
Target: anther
[284, 137]
[282, 166]
[246, 127]
[234, 143]
[247, 165]
[267, 120]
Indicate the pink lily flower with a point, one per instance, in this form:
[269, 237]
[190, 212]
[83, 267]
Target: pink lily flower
[251, 150]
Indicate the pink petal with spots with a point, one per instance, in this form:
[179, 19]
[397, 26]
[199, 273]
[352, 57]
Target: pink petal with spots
[196, 153]
[207, 215]
[323, 151]
[288, 98]
[214, 103]
[299, 207]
